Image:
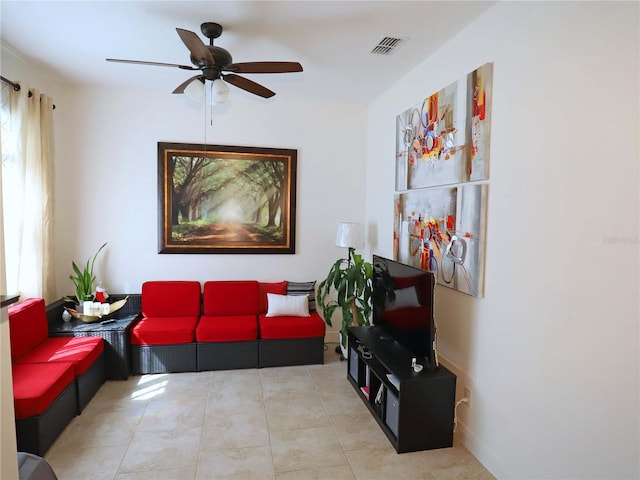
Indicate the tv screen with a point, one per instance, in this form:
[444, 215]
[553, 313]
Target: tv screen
[403, 306]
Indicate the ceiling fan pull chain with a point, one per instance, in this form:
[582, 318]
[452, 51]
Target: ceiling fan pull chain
[211, 105]
[204, 115]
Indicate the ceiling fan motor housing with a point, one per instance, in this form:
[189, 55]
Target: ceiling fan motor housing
[221, 56]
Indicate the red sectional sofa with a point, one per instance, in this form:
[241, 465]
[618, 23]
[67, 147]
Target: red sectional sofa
[233, 327]
[53, 378]
[227, 333]
[164, 338]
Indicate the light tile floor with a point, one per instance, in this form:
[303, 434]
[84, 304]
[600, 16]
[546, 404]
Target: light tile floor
[289, 423]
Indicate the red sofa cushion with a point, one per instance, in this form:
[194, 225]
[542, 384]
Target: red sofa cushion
[234, 297]
[227, 329]
[279, 288]
[79, 351]
[164, 330]
[28, 326]
[291, 327]
[170, 298]
[37, 385]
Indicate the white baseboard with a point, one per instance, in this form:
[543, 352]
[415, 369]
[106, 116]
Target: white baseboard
[332, 336]
[483, 454]
[469, 438]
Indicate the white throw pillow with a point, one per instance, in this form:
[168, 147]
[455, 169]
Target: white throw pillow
[405, 298]
[287, 305]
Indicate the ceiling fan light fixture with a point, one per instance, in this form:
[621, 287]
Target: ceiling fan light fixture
[219, 91]
[195, 90]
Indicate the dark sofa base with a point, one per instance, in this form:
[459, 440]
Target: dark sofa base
[163, 358]
[283, 352]
[205, 356]
[226, 355]
[36, 434]
[89, 382]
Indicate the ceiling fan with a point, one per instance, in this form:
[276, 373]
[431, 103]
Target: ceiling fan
[212, 61]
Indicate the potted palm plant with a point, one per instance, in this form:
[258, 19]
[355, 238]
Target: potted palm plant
[352, 281]
[83, 281]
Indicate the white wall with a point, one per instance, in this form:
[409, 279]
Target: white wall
[106, 185]
[8, 460]
[551, 352]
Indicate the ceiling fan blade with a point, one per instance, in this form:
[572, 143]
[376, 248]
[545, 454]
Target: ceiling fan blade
[248, 85]
[197, 48]
[156, 64]
[183, 85]
[265, 67]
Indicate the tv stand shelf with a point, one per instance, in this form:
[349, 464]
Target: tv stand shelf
[414, 410]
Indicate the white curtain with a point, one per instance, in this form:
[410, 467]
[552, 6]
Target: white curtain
[27, 190]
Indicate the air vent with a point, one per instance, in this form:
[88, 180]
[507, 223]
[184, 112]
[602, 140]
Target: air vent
[388, 45]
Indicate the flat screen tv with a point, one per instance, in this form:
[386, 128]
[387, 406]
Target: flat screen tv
[403, 307]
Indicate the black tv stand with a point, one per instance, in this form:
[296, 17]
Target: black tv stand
[414, 410]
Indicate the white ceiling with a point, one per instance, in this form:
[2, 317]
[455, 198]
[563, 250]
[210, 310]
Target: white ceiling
[331, 39]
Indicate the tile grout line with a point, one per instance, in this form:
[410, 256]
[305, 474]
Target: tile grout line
[266, 419]
[204, 416]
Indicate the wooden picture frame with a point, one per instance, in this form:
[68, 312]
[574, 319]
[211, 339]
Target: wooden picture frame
[226, 199]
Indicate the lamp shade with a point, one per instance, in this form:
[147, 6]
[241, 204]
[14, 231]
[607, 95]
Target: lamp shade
[219, 91]
[350, 235]
[195, 90]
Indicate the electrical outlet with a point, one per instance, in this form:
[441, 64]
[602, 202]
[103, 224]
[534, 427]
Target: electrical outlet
[467, 395]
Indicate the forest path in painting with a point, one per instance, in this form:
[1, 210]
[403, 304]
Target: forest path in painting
[226, 232]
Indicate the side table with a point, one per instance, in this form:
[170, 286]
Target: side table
[116, 336]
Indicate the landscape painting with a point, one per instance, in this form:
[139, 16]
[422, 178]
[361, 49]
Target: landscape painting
[226, 199]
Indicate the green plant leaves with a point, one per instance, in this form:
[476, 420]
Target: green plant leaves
[84, 279]
[351, 280]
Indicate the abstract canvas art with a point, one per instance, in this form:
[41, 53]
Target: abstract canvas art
[444, 139]
[442, 182]
[442, 230]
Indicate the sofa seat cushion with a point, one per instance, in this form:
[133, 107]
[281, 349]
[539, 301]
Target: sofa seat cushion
[164, 330]
[37, 385]
[28, 326]
[81, 352]
[227, 328]
[291, 327]
[233, 297]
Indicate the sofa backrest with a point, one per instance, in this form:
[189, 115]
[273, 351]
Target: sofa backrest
[28, 326]
[170, 298]
[232, 297]
[279, 288]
